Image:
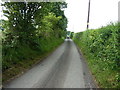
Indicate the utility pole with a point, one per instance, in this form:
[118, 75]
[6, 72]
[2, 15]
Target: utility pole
[88, 15]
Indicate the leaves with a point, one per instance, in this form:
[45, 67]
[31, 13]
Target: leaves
[28, 23]
[102, 49]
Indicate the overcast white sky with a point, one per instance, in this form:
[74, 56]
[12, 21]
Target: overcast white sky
[102, 13]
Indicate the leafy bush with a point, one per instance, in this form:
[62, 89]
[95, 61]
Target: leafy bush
[101, 47]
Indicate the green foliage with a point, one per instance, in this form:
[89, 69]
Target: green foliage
[18, 54]
[49, 25]
[72, 34]
[102, 49]
[32, 29]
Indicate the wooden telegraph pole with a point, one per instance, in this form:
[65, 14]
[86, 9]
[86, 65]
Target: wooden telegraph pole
[88, 15]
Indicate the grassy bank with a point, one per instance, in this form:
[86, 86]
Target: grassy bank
[24, 57]
[101, 48]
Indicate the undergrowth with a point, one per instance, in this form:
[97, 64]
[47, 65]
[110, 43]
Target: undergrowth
[101, 48]
[21, 58]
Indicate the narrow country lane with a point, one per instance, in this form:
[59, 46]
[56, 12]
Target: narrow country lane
[64, 68]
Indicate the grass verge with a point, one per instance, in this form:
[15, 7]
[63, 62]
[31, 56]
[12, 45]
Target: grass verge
[22, 66]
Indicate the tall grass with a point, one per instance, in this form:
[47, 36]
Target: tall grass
[18, 59]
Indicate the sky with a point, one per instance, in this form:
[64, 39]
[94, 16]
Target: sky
[102, 13]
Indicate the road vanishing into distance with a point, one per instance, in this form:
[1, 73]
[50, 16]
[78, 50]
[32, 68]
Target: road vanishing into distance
[64, 68]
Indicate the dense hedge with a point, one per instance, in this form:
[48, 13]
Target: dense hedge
[101, 46]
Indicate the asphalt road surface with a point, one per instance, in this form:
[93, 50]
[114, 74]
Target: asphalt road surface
[64, 68]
